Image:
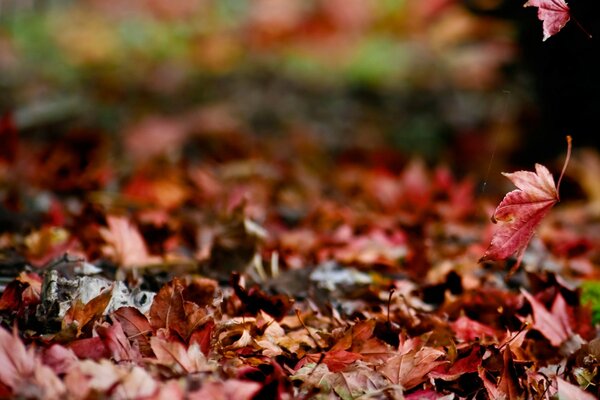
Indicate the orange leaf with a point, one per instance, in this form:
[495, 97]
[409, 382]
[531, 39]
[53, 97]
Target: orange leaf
[82, 314]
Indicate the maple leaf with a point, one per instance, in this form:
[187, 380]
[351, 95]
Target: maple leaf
[90, 379]
[183, 360]
[23, 372]
[227, 390]
[125, 243]
[521, 210]
[136, 327]
[81, 314]
[410, 365]
[552, 326]
[171, 311]
[117, 343]
[554, 15]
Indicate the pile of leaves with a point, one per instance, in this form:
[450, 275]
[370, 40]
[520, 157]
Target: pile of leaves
[231, 266]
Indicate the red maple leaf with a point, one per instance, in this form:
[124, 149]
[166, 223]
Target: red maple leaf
[553, 13]
[521, 210]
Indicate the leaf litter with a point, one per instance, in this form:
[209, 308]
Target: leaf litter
[268, 276]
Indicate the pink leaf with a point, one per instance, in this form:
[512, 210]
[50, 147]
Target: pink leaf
[227, 390]
[553, 13]
[125, 244]
[548, 324]
[567, 390]
[117, 343]
[22, 370]
[17, 362]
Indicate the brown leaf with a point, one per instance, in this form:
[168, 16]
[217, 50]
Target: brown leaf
[509, 381]
[167, 310]
[81, 314]
[409, 368]
[255, 300]
[336, 360]
[136, 327]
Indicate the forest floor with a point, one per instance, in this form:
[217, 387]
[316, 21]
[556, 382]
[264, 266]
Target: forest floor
[216, 265]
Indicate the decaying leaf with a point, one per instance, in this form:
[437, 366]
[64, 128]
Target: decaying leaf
[80, 314]
[410, 367]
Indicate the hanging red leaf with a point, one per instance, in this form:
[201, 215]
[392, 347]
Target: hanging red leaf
[553, 13]
[521, 210]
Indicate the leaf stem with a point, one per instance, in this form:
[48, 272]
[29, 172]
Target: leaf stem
[589, 35]
[569, 140]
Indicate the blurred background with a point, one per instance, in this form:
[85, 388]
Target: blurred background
[459, 82]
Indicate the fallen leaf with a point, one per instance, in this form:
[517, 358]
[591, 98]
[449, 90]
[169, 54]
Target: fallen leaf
[109, 380]
[59, 358]
[183, 360]
[551, 326]
[468, 330]
[554, 15]
[117, 343]
[89, 348]
[136, 327]
[509, 380]
[336, 360]
[23, 371]
[464, 365]
[232, 389]
[409, 369]
[169, 310]
[124, 243]
[568, 391]
[81, 314]
[357, 381]
[254, 300]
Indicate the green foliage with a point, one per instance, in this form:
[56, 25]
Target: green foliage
[591, 295]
